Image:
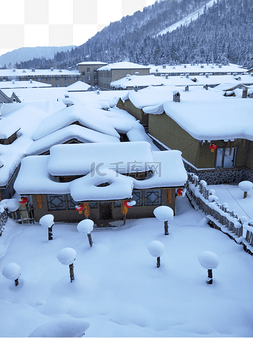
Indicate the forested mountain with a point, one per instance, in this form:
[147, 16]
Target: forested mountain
[222, 34]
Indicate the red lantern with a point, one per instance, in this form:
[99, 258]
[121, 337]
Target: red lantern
[213, 147]
[126, 204]
[23, 200]
[79, 208]
[179, 192]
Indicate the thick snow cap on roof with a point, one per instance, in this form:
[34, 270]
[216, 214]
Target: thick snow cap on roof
[87, 115]
[79, 133]
[226, 119]
[77, 159]
[102, 167]
[7, 129]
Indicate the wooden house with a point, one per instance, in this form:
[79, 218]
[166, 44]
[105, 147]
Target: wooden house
[94, 180]
[213, 132]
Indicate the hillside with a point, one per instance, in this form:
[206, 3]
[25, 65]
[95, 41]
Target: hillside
[28, 53]
[221, 33]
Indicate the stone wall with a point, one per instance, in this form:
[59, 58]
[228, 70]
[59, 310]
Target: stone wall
[222, 176]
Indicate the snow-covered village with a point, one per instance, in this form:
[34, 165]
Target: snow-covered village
[126, 202]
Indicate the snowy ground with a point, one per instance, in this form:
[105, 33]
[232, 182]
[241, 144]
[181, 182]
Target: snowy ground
[119, 290]
[233, 195]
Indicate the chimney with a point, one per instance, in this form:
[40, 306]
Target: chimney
[206, 87]
[187, 88]
[176, 96]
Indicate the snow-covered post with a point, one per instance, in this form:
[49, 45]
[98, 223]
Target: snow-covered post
[209, 260]
[86, 226]
[245, 186]
[164, 214]
[155, 249]
[67, 256]
[47, 222]
[12, 271]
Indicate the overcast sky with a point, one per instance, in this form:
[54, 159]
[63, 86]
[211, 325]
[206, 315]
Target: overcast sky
[31, 23]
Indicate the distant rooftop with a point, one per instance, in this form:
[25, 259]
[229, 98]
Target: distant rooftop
[36, 72]
[198, 68]
[123, 65]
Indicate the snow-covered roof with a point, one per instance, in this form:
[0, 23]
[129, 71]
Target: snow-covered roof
[138, 80]
[82, 134]
[7, 129]
[91, 63]
[23, 84]
[227, 119]
[123, 65]
[198, 68]
[183, 80]
[100, 163]
[37, 72]
[87, 115]
[72, 159]
[78, 86]
[205, 114]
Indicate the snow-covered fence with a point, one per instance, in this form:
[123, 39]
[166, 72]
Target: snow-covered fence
[3, 219]
[219, 215]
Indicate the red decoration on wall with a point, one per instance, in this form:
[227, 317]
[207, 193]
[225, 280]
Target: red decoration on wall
[213, 147]
[128, 206]
[179, 192]
[23, 200]
[79, 207]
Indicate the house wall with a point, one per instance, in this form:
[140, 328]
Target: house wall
[105, 77]
[40, 205]
[163, 128]
[168, 132]
[89, 72]
[136, 112]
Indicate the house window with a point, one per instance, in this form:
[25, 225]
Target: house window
[88, 69]
[137, 196]
[93, 205]
[225, 157]
[117, 204]
[71, 203]
[56, 202]
[153, 197]
[88, 77]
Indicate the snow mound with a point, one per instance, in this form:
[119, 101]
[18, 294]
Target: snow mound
[68, 327]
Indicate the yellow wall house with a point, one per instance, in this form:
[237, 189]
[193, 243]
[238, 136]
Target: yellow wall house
[213, 132]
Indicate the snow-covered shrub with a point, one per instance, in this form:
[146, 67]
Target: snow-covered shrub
[47, 222]
[12, 271]
[164, 214]
[245, 186]
[67, 256]
[209, 260]
[86, 226]
[155, 249]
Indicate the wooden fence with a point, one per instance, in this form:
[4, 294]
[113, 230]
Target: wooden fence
[219, 216]
[26, 216]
